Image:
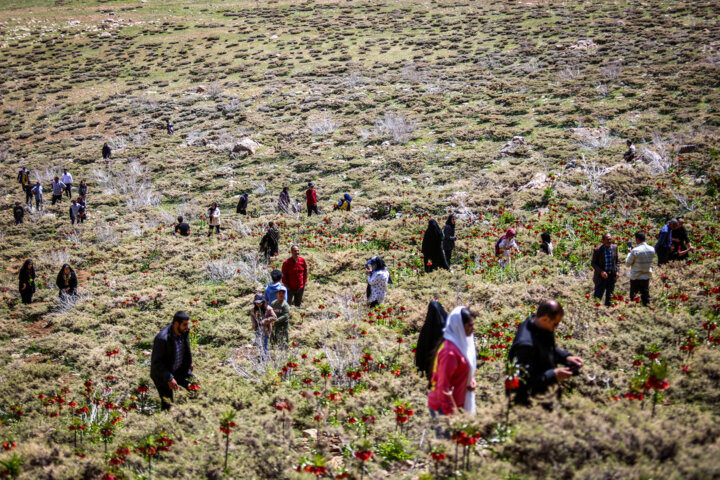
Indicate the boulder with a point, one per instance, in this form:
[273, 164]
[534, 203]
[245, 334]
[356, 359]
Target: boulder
[689, 148]
[247, 146]
[510, 147]
[538, 181]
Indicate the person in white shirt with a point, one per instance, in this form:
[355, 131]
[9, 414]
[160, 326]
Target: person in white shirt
[640, 261]
[505, 246]
[378, 279]
[74, 212]
[68, 181]
[631, 152]
[213, 219]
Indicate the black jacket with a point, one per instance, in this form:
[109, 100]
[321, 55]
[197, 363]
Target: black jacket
[18, 212]
[431, 335]
[432, 247]
[182, 228]
[163, 356]
[535, 352]
[73, 283]
[27, 277]
[242, 204]
[82, 189]
[106, 151]
[449, 237]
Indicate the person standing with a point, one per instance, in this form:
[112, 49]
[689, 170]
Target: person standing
[272, 289]
[605, 264]
[171, 361]
[505, 246]
[546, 246]
[213, 219]
[82, 214]
[242, 204]
[533, 350]
[284, 200]
[66, 282]
[68, 181]
[18, 213]
[37, 191]
[262, 317]
[311, 197]
[640, 260]
[282, 324]
[629, 155]
[430, 337]
[74, 212]
[680, 241]
[449, 237]
[295, 276]
[378, 278]
[27, 281]
[106, 152]
[433, 255]
[82, 189]
[453, 383]
[269, 244]
[169, 127]
[58, 188]
[24, 181]
[663, 247]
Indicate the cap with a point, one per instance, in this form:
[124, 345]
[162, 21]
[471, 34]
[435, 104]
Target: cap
[259, 298]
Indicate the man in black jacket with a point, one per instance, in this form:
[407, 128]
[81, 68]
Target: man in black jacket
[18, 213]
[534, 351]
[171, 362]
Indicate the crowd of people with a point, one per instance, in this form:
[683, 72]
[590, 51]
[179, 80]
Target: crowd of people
[60, 186]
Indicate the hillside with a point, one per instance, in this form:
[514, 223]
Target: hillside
[508, 114]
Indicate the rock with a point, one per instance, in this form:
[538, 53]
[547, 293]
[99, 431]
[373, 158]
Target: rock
[246, 145]
[538, 181]
[200, 89]
[310, 433]
[584, 45]
[688, 148]
[510, 147]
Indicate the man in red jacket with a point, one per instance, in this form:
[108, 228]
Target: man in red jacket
[295, 276]
[311, 195]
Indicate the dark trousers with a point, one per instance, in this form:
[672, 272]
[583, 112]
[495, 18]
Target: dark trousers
[295, 297]
[217, 229]
[18, 221]
[28, 194]
[313, 208]
[663, 254]
[606, 286]
[448, 256]
[26, 295]
[242, 211]
[72, 220]
[56, 198]
[38, 203]
[68, 190]
[166, 393]
[643, 288]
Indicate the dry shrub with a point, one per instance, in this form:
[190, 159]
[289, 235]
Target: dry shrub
[396, 126]
[323, 123]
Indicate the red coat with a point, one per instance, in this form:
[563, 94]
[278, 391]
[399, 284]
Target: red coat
[450, 371]
[311, 197]
[295, 274]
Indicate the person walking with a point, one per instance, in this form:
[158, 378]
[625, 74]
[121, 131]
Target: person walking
[213, 219]
[546, 246]
[26, 278]
[282, 324]
[433, 254]
[171, 361]
[505, 246]
[378, 278]
[37, 191]
[82, 189]
[606, 268]
[284, 200]
[311, 197]
[449, 237]
[242, 204]
[58, 188]
[534, 351]
[295, 276]
[82, 210]
[262, 317]
[453, 383]
[430, 337]
[18, 213]
[67, 179]
[169, 127]
[66, 282]
[24, 181]
[664, 244]
[269, 244]
[640, 260]
[74, 212]
[106, 152]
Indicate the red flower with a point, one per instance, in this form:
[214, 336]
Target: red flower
[512, 383]
[364, 455]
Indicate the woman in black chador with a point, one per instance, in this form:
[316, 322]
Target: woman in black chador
[432, 248]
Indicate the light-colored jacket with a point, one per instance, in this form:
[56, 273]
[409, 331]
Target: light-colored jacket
[378, 281]
[640, 261]
[263, 321]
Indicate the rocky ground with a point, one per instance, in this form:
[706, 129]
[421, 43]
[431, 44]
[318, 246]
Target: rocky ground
[507, 113]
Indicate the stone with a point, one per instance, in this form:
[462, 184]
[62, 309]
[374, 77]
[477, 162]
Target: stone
[310, 433]
[247, 146]
[688, 148]
[510, 147]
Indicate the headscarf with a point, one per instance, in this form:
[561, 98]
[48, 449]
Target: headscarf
[347, 197]
[432, 239]
[449, 219]
[25, 273]
[454, 332]
[59, 280]
[431, 334]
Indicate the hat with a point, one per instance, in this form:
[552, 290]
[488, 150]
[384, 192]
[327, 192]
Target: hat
[511, 231]
[282, 288]
[311, 184]
[180, 316]
[259, 298]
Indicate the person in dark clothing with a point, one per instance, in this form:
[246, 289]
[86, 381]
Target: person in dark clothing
[18, 213]
[546, 246]
[242, 204]
[534, 351]
[27, 281]
[82, 188]
[24, 181]
[74, 212]
[284, 200]
[67, 281]
[311, 197]
[82, 214]
[606, 267]
[170, 128]
[431, 336]
[449, 238]
[664, 244]
[171, 362]
[182, 228]
[106, 152]
[629, 155]
[432, 248]
[680, 241]
[270, 242]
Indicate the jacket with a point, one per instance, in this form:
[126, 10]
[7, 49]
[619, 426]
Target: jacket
[82, 189]
[664, 237]
[449, 237]
[295, 274]
[640, 261]
[598, 262]
[18, 212]
[271, 292]
[311, 196]
[282, 313]
[378, 282]
[450, 372]
[163, 356]
[263, 321]
[534, 351]
[27, 277]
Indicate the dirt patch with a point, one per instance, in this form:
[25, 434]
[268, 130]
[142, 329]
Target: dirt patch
[38, 328]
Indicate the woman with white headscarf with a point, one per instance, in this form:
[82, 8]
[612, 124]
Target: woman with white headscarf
[453, 377]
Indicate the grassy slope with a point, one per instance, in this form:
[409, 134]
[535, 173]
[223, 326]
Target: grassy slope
[471, 76]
